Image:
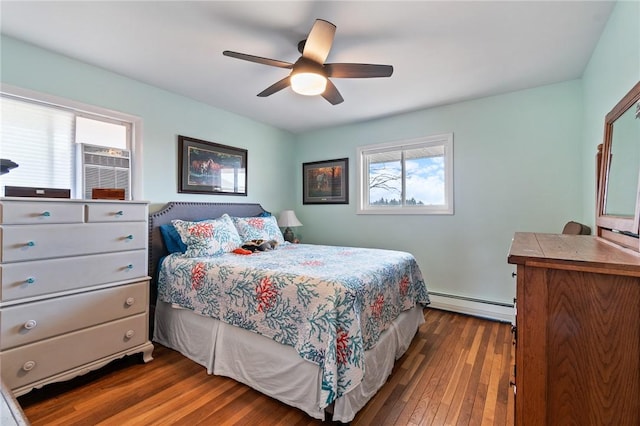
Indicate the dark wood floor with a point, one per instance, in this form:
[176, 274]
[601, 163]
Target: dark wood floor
[456, 372]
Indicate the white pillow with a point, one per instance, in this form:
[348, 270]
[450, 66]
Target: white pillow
[258, 228]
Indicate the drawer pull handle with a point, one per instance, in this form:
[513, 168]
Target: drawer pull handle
[27, 366]
[46, 214]
[30, 244]
[30, 324]
[129, 334]
[513, 274]
[119, 213]
[129, 237]
[130, 266]
[130, 301]
[30, 280]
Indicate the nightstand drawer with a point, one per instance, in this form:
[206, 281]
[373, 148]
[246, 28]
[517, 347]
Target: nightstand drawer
[50, 241]
[31, 322]
[116, 212]
[21, 280]
[27, 212]
[27, 364]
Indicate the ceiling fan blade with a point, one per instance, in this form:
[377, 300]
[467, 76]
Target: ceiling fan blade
[275, 87]
[319, 41]
[331, 94]
[358, 70]
[258, 59]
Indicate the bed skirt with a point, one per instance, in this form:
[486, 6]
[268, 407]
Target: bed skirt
[274, 369]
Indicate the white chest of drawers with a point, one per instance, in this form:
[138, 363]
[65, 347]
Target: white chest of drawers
[74, 290]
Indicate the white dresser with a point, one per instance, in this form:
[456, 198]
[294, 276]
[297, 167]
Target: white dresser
[74, 290]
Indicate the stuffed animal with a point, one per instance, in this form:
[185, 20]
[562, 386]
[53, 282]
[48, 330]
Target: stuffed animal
[260, 245]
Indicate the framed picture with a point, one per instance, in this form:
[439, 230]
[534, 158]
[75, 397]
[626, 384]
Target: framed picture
[326, 182]
[210, 168]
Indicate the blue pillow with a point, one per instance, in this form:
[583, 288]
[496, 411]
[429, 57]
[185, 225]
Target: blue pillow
[172, 240]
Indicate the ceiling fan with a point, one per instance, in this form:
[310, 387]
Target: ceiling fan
[309, 74]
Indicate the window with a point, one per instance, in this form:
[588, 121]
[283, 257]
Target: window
[406, 177]
[41, 134]
[101, 132]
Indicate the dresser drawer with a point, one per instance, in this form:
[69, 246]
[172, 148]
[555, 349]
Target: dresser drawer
[27, 364]
[116, 212]
[31, 212]
[35, 321]
[20, 280]
[49, 241]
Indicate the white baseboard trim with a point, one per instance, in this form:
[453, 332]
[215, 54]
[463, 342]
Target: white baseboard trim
[472, 307]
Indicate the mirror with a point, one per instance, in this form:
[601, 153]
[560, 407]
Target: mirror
[618, 215]
[624, 164]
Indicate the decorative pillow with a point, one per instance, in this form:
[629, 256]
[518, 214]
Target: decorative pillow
[258, 228]
[208, 237]
[172, 240]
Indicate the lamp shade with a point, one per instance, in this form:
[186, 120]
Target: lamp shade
[288, 218]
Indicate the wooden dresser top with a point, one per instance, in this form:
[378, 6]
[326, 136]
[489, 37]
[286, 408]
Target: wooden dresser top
[577, 252]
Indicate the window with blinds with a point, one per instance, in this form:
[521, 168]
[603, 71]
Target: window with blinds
[41, 139]
[406, 177]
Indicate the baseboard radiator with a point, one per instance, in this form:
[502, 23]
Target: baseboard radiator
[497, 311]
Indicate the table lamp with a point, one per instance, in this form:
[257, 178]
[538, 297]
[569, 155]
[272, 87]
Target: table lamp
[287, 219]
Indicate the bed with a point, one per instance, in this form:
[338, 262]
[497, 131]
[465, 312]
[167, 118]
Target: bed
[316, 327]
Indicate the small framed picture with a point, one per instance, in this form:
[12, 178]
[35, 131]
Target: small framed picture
[326, 182]
[211, 168]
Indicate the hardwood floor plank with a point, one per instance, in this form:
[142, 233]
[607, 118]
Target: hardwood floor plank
[456, 371]
[468, 395]
[434, 402]
[424, 374]
[488, 415]
[485, 375]
[425, 394]
[502, 399]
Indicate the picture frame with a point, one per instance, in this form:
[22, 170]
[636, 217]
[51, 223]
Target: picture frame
[326, 182]
[210, 168]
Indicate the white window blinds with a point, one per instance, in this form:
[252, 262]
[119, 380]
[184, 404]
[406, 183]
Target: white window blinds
[39, 138]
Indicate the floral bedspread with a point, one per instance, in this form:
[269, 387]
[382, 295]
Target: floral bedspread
[329, 303]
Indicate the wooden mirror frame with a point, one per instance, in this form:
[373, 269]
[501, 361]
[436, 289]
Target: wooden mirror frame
[621, 230]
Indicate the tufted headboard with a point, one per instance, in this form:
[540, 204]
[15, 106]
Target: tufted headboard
[187, 211]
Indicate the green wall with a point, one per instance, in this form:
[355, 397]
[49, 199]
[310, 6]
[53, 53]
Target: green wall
[165, 115]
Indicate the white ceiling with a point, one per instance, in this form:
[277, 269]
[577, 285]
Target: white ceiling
[442, 51]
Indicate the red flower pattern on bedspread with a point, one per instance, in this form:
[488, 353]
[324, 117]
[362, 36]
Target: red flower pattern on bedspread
[342, 347]
[404, 285]
[266, 294]
[377, 306]
[197, 275]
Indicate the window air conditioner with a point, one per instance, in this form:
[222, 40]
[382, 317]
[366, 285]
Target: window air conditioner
[103, 167]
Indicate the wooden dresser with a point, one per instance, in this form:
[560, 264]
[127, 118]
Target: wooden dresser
[578, 331]
[74, 290]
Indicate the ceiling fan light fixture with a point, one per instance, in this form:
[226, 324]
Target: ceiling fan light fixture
[308, 77]
[308, 83]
